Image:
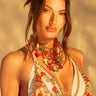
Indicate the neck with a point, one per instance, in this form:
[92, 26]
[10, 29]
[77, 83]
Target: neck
[47, 43]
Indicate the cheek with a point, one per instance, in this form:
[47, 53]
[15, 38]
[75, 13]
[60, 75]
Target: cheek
[41, 23]
[43, 19]
[61, 22]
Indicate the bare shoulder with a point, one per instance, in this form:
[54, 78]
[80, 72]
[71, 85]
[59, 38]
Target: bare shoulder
[13, 59]
[9, 73]
[77, 55]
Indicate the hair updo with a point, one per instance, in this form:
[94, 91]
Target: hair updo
[36, 7]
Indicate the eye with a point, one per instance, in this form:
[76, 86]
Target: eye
[46, 10]
[63, 14]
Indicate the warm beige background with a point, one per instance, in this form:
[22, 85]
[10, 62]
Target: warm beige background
[13, 21]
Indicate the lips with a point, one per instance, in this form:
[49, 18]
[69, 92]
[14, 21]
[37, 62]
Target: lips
[51, 29]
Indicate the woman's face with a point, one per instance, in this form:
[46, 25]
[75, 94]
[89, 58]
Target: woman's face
[51, 19]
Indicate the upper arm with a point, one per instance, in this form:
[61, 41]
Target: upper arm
[9, 75]
[78, 57]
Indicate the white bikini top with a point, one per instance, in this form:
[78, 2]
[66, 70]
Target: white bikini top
[42, 84]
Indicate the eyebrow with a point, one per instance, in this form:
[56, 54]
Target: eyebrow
[51, 8]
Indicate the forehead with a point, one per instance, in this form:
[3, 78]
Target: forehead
[56, 4]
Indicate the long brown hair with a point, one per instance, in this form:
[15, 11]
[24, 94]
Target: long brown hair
[34, 12]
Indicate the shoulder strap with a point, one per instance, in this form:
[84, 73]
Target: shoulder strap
[24, 50]
[34, 58]
[76, 63]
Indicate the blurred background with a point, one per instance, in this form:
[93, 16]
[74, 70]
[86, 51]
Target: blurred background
[13, 19]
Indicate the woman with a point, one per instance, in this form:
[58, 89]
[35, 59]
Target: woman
[45, 67]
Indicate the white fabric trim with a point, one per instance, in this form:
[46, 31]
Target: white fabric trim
[74, 86]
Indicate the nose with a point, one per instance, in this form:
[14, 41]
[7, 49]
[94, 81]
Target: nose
[53, 19]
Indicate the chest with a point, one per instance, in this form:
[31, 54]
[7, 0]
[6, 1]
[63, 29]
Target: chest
[65, 79]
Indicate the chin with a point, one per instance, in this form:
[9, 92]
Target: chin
[51, 36]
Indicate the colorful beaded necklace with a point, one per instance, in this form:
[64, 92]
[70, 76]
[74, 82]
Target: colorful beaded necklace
[52, 57]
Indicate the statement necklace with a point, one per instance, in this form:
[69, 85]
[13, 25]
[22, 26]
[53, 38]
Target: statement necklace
[52, 57]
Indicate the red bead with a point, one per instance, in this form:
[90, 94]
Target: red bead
[53, 62]
[38, 78]
[88, 94]
[51, 68]
[55, 44]
[54, 89]
[38, 54]
[60, 67]
[44, 53]
[42, 74]
[55, 53]
[39, 94]
[86, 79]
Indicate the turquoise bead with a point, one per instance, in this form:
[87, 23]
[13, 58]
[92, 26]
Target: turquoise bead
[57, 69]
[87, 86]
[42, 49]
[58, 57]
[36, 75]
[53, 79]
[48, 58]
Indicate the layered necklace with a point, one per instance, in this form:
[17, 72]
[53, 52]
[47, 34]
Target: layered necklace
[52, 57]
